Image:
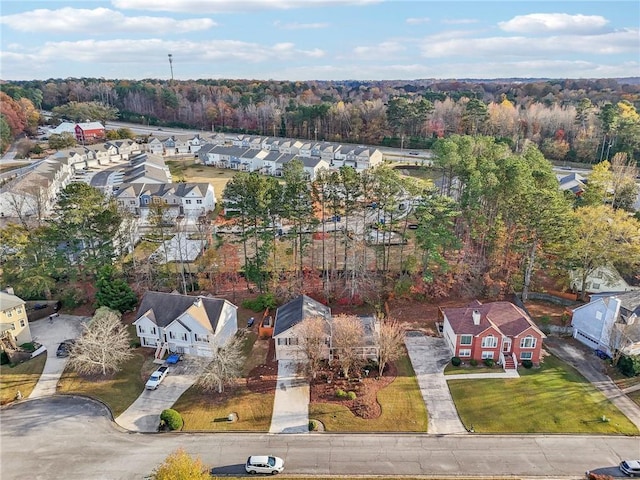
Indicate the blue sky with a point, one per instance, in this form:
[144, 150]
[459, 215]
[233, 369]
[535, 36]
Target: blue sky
[318, 39]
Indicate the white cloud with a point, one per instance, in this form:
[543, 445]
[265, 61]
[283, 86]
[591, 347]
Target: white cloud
[76, 21]
[624, 41]
[299, 26]
[125, 51]
[559, 23]
[229, 6]
[417, 21]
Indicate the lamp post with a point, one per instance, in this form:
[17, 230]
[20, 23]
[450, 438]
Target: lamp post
[171, 67]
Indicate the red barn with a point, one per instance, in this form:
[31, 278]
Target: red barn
[89, 132]
[497, 330]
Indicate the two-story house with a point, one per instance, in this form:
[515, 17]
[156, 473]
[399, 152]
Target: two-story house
[14, 324]
[499, 331]
[170, 322]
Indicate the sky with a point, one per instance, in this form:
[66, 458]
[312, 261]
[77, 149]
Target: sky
[318, 39]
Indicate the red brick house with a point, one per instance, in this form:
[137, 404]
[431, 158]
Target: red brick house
[497, 330]
[89, 132]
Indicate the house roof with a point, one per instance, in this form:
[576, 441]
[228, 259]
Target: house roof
[504, 316]
[297, 310]
[91, 126]
[8, 301]
[166, 307]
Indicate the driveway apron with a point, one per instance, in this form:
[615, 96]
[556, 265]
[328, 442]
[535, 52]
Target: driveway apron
[291, 403]
[50, 334]
[429, 356]
[143, 415]
[588, 368]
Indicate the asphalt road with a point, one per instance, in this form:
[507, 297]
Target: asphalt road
[72, 438]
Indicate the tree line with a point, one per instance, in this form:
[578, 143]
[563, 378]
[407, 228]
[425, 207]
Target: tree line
[570, 120]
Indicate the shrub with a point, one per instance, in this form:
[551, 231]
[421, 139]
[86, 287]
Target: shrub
[260, 303]
[527, 363]
[455, 361]
[313, 425]
[473, 362]
[351, 395]
[629, 366]
[4, 358]
[171, 418]
[489, 362]
[341, 393]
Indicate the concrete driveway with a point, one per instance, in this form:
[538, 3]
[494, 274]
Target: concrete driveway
[143, 415]
[291, 402]
[50, 335]
[429, 356]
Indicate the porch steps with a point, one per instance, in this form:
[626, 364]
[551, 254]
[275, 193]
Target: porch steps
[509, 364]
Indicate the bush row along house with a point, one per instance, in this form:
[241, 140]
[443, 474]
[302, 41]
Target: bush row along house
[499, 331]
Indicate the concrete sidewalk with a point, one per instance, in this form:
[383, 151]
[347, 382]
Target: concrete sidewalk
[291, 402]
[479, 376]
[429, 356]
[587, 365]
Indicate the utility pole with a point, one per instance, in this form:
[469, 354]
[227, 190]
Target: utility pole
[171, 66]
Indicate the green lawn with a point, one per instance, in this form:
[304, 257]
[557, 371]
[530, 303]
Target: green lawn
[552, 399]
[23, 377]
[117, 391]
[403, 408]
[635, 396]
[466, 369]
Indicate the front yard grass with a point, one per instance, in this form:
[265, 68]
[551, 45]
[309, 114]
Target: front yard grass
[403, 408]
[468, 369]
[208, 411]
[552, 399]
[189, 171]
[118, 391]
[23, 377]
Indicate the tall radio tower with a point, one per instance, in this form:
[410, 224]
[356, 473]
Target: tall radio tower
[171, 66]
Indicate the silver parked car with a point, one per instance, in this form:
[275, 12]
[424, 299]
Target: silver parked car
[264, 464]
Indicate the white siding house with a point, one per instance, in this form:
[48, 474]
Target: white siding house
[170, 322]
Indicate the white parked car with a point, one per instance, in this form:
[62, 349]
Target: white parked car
[264, 464]
[630, 467]
[156, 378]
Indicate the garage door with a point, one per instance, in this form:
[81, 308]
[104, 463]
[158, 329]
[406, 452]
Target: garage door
[588, 341]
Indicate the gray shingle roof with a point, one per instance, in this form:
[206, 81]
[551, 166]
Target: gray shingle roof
[167, 307]
[297, 310]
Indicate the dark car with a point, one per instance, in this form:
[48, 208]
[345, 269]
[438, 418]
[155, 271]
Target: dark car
[39, 306]
[64, 348]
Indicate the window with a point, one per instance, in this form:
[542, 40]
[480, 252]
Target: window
[183, 337]
[140, 329]
[22, 323]
[526, 355]
[528, 342]
[466, 339]
[199, 202]
[153, 330]
[13, 326]
[121, 203]
[9, 313]
[146, 201]
[486, 355]
[19, 310]
[188, 202]
[489, 342]
[172, 335]
[598, 315]
[288, 341]
[202, 338]
[465, 352]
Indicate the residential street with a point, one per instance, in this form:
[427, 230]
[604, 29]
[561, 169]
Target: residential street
[75, 439]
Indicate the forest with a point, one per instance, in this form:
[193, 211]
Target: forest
[581, 120]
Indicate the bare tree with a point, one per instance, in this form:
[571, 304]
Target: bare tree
[312, 334]
[347, 339]
[225, 366]
[103, 345]
[390, 342]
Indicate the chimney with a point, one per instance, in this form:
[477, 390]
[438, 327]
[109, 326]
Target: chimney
[198, 302]
[9, 290]
[476, 317]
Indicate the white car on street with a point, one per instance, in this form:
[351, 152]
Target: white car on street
[264, 464]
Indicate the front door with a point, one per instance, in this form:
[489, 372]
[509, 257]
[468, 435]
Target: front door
[506, 345]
